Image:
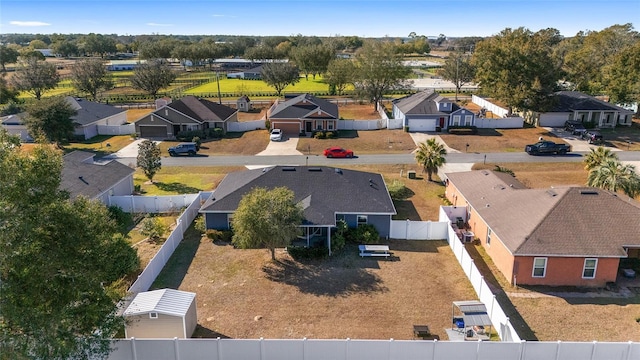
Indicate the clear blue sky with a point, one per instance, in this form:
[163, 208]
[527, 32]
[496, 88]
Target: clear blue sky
[373, 18]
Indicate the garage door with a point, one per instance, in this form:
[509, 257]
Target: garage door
[422, 125]
[287, 128]
[153, 131]
[553, 119]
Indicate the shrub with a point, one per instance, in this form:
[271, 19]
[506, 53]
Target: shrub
[331, 135]
[200, 225]
[189, 135]
[125, 259]
[122, 218]
[219, 235]
[215, 133]
[406, 129]
[367, 234]
[304, 253]
[399, 191]
[267, 124]
[319, 135]
[340, 237]
[198, 142]
[463, 130]
[153, 228]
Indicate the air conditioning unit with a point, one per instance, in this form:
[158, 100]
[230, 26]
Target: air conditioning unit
[468, 237]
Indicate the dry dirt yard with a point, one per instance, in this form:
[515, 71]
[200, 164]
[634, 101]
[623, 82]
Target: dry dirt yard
[243, 294]
[498, 140]
[362, 142]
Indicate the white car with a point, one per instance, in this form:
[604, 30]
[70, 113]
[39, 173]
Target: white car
[276, 135]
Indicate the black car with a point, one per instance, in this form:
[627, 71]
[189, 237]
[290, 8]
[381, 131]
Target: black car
[575, 127]
[593, 137]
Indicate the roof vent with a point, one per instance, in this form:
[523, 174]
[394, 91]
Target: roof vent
[588, 192]
[314, 169]
[288, 168]
[485, 172]
[551, 193]
[83, 180]
[487, 205]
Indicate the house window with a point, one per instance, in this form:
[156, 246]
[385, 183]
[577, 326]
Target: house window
[362, 220]
[539, 267]
[589, 269]
[153, 315]
[456, 120]
[330, 125]
[230, 220]
[488, 236]
[467, 120]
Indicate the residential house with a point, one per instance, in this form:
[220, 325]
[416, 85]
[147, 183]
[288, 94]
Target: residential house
[326, 195]
[570, 235]
[429, 111]
[303, 114]
[243, 103]
[164, 313]
[186, 114]
[89, 115]
[574, 105]
[82, 176]
[14, 124]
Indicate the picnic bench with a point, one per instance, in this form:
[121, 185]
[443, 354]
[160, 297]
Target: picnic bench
[421, 331]
[374, 250]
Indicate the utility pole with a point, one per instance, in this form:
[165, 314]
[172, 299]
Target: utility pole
[218, 81]
[457, 76]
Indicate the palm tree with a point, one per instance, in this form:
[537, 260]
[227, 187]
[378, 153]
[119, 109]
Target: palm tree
[597, 156]
[612, 175]
[431, 156]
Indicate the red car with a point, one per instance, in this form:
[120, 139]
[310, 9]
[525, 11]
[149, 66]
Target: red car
[337, 152]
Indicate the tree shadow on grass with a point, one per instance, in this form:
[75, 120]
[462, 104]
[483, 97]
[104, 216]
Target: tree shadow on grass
[203, 332]
[520, 325]
[331, 277]
[488, 132]
[176, 187]
[406, 210]
[176, 268]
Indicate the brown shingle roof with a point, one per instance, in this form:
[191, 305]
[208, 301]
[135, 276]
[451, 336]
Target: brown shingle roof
[564, 221]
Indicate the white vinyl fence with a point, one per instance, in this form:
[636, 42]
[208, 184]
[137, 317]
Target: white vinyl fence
[362, 124]
[125, 129]
[418, 230]
[311, 349]
[150, 273]
[509, 122]
[246, 126]
[152, 204]
[394, 124]
[498, 110]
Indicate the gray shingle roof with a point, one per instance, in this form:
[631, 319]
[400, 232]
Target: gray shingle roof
[82, 176]
[303, 105]
[567, 101]
[201, 110]
[323, 191]
[89, 112]
[422, 103]
[562, 221]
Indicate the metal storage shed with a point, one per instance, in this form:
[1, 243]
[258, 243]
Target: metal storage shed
[164, 313]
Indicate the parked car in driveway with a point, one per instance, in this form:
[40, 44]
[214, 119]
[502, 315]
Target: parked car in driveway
[593, 137]
[575, 127]
[337, 152]
[276, 135]
[189, 148]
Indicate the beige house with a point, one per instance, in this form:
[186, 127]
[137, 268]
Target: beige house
[164, 313]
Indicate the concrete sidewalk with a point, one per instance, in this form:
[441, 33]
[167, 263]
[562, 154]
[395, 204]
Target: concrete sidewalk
[285, 147]
[447, 167]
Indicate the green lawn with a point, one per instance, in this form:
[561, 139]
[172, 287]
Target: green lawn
[254, 86]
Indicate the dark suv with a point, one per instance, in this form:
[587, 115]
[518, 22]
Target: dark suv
[593, 137]
[189, 148]
[575, 127]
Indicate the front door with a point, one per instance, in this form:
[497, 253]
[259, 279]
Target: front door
[441, 122]
[308, 126]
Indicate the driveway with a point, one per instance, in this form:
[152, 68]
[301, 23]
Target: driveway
[129, 151]
[285, 147]
[577, 144]
[447, 167]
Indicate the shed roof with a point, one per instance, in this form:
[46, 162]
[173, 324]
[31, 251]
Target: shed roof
[164, 301]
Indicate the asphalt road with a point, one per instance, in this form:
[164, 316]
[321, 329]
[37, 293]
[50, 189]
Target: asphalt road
[243, 160]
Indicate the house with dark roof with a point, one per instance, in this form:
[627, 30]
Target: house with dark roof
[89, 115]
[326, 195]
[561, 236]
[187, 114]
[574, 105]
[82, 176]
[303, 114]
[427, 110]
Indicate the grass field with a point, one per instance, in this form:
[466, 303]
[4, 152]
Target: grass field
[256, 86]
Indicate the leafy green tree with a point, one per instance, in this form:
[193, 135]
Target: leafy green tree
[150, 50]
[58, 258]
[8, 55]
[340, 74]
[280, 75]
[621, 76]
[614, 176]
[149, 159]
[99, 44]
[50, 119]
[266, 218]
[458, 69]
[65, 48]
[28, 53]
[7, 94]
[597, 156]
[379, 70]
[312, 59]
[91, 76]
[152, 76]
[261, 53]
[35, 76]
[517, 67]
[153, 228]
[431, 156]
